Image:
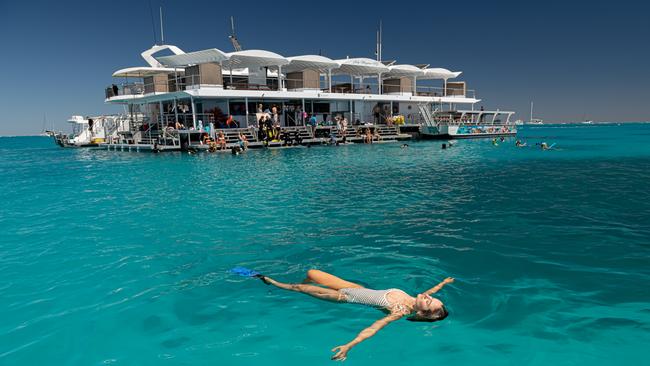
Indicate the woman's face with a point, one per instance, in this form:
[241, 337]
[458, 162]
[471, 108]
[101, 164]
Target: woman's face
[427, 303]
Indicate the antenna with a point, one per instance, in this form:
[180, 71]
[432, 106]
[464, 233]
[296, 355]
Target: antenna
[162, 32]
[378, 49]
[153, 26]
[380, 40]
[233, 36]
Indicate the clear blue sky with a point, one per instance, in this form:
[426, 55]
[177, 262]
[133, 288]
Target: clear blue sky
[573, 58]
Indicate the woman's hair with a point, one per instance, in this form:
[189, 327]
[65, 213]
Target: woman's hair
[429, 316]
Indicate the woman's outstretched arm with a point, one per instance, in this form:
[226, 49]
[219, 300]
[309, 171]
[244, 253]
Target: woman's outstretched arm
[437, 287]
[342, 351]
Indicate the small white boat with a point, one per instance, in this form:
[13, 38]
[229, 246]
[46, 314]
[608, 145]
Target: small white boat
[86, 131]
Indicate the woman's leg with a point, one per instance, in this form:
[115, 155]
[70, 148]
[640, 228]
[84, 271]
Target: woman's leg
[329, 280]
[315, 291]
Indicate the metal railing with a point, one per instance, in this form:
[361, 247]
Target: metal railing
[181, 83]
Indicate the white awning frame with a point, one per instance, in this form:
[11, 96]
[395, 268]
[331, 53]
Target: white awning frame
[194, 58]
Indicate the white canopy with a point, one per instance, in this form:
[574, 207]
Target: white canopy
[141, 71]
[254, 59]
[439, 73]
[397, 71]
[360, 66]
[315, 62]
[193, 58]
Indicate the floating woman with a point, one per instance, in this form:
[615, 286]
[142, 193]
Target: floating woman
[395, 302]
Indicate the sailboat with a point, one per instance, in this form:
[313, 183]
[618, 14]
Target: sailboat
[534, 121]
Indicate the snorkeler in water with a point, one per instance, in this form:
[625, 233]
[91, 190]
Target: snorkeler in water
[394, 302]
[518, 143]
[494, 142]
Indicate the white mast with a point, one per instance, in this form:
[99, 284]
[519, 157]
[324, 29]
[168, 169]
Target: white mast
[378, 49]
[162, 32]
[531, 112]
[233, 36]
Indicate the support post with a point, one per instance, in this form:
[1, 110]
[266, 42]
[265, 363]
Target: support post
[351, 116]
[379, 91]
[193, 112]
[162, 120]
[329, 77]
[175, 111]
[302, 112]
[246, 106]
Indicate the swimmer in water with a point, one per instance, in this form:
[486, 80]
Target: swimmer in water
[404, 146]
[544, 146]
[520, 144]
[494, 142]
[394, 302]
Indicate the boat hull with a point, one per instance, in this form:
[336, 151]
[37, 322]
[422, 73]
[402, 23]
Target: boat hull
[467, 131]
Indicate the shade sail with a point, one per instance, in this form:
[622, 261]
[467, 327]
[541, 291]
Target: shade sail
[397, 71]
[141, 71]
[254, 59]
[360, 66]
[440, 73]
[312, 62]
[193, 58]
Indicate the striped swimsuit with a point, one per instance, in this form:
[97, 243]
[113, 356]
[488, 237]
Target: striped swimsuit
[366, 296]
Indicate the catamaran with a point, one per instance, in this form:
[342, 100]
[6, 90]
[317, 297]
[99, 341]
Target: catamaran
[176, 99]
[183, 100]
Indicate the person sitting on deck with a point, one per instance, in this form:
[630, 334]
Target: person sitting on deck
[205, 138]
[376, 135]
[394, 302]
[212, 147]
[368, 136]
[179, 126]
[243, 141]
[221, 140]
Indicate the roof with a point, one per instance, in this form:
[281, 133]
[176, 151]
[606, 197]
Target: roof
[360, 66]
[193, 58]
[141, 71]
[403, 70]
[254, 58]
[440, 73]
[305, 62]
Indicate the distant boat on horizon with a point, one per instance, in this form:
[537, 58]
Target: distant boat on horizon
[534, 121]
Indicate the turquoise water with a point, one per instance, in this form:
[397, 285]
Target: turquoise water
[121, 258]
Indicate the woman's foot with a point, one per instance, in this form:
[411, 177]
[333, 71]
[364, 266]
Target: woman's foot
[263, 278]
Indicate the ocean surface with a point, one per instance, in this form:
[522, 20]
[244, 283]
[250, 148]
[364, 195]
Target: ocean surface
[118, 258]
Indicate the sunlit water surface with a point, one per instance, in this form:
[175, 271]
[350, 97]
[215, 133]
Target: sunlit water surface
[122, 258]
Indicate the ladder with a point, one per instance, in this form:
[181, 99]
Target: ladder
[427, 116]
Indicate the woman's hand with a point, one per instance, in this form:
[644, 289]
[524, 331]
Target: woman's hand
[448, 280]
[341, 353]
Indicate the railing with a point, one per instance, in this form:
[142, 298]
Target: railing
[181, 83]
[125, 89]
